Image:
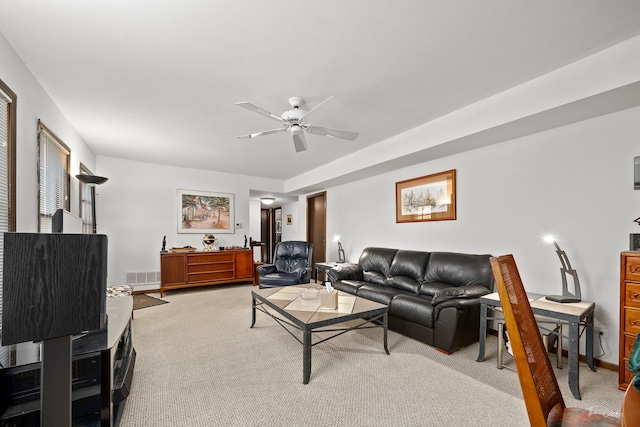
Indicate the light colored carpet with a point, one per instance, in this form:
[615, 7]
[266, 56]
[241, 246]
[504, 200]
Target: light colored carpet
[199, 364]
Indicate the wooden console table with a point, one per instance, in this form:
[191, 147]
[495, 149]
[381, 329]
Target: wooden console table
[201, 268]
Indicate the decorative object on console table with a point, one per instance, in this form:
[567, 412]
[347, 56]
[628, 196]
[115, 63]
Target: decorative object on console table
[164, 244]
[634, 242]
[205, 212]
[209, 242]
[629, 313]
[565, 271]
[341, 257]
[427, 198]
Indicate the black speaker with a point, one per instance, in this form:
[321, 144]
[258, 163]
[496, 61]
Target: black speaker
[54, 285]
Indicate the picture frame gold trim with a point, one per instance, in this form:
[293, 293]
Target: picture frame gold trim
[427, 198]
[205, 212]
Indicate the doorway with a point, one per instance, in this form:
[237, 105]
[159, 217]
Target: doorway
[271, 231]
[317, 226]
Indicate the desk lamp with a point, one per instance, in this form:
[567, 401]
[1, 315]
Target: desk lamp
[341, 257]
[564, 272]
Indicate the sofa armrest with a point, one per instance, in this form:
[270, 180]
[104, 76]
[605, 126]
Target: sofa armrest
[344, 272]
[265, 269]
[460, 292]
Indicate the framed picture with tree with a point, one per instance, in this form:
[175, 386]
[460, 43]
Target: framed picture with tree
[205, 212]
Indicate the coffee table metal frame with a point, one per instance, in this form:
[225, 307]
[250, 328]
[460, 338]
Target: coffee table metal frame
[374, 318]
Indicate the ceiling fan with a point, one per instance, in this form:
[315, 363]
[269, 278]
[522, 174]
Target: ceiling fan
[297, 121]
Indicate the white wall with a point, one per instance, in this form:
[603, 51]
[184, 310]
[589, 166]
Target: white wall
[138, 206]
[34, 103]
[291, 231]
[575, 181]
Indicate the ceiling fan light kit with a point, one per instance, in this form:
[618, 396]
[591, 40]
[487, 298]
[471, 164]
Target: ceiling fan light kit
[297, 121]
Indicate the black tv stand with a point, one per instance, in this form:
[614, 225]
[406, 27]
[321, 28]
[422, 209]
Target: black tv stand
[102, 372]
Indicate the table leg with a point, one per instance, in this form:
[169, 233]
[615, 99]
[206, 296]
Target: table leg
[253, 311]
[384, 323]
[589, 342]
[306, 357]
[483, 331]
[574, 373]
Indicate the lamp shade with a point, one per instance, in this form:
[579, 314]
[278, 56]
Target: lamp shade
[91, 179]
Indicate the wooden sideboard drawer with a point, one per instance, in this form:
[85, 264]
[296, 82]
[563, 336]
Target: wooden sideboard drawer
[633, 269]
[210, 267]
[632, 294]
[631, 321]
[203, 258]
[211, 276]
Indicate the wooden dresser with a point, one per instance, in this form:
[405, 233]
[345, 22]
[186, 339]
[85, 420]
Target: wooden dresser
[199, 268]
[629, 312]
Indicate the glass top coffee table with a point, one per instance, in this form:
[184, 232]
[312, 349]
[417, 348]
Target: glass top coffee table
[287, 307]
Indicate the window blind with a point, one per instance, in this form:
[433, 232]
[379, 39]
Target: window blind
[53, 177]
[4, 189]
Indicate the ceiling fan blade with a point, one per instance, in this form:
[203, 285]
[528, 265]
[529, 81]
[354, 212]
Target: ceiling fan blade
[265, 132]
[322, 110]
[259, 110]
[333, 133]
[300, 142]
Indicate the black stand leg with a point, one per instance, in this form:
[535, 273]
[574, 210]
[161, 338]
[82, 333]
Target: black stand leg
[56, 382]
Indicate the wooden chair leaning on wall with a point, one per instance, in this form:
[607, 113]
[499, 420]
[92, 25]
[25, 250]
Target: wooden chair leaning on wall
[542, 396]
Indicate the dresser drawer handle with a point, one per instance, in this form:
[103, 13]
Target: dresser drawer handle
[634, 268]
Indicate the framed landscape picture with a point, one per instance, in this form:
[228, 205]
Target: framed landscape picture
[205, 212]
[427, 198]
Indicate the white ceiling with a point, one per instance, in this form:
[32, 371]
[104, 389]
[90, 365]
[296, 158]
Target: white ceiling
[157, 80]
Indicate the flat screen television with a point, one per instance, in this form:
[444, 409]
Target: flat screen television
[65, 222]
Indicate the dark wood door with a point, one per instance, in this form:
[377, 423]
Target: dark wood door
[317, 225]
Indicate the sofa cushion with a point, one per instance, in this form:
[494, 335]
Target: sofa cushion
[413, 309]
[377, 260]
[404, 283]
[460, 269]
[433, 288]
[377, 293]
[374, 277]
[409, 263]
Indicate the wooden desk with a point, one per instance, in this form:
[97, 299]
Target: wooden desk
[574, 315]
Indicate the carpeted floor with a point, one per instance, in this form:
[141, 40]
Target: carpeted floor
[199, 364]
[144, 301]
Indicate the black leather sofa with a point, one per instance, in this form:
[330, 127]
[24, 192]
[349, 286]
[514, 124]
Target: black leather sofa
[433, 297]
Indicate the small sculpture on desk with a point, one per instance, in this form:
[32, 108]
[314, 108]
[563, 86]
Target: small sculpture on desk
[245, 241]
[164, 244]
[209, 242]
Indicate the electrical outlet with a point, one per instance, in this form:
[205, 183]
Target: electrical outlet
[603, 332]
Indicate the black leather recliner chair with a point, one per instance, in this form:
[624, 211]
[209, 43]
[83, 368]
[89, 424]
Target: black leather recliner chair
[292, 265]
